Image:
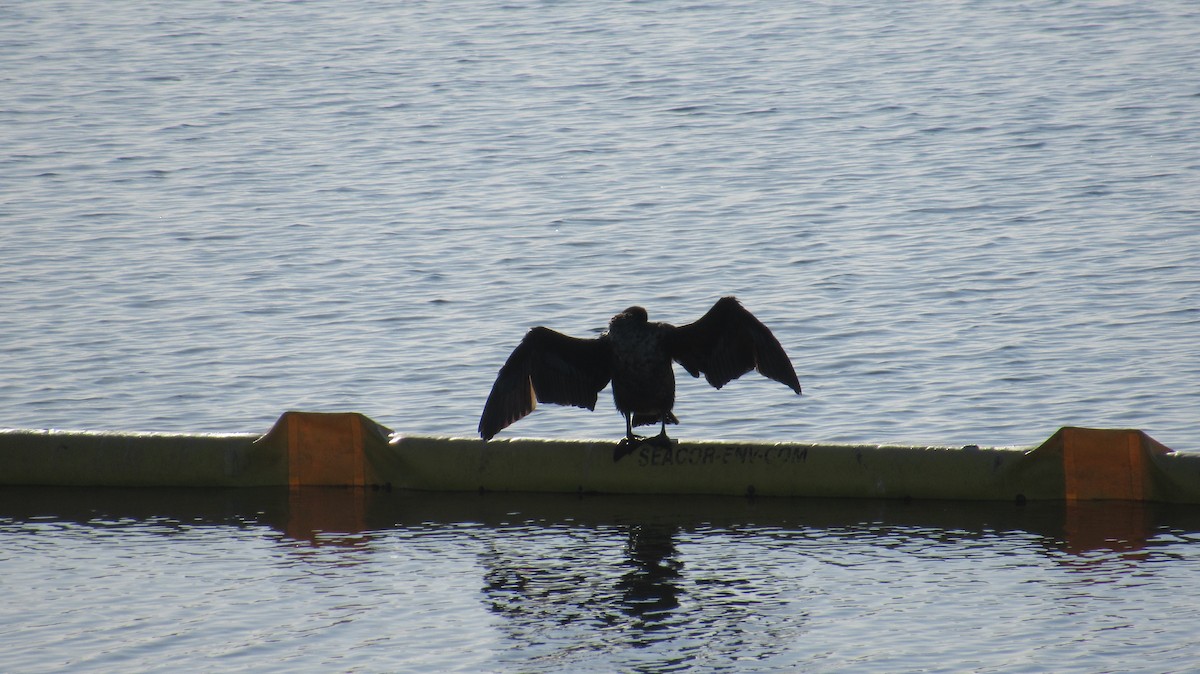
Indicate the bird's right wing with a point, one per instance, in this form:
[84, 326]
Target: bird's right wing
[547, 367]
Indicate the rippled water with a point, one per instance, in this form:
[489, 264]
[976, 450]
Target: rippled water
[347, 581]
[968, 224]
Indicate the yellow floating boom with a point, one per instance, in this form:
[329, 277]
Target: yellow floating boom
[348, 449]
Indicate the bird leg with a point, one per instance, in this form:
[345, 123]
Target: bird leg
[633, 439]
[630, 442]
[661, 439]
[629, 436]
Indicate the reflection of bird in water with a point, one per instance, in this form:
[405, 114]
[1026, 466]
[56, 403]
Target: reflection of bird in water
[650, 589]
[635, 355]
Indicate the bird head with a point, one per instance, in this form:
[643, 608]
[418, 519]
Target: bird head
[636, 313]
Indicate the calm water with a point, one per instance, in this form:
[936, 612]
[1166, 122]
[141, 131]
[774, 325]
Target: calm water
[345, 581]
[968, 224]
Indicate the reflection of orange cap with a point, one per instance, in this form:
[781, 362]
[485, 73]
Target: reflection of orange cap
[1119, 526]
[326, 515]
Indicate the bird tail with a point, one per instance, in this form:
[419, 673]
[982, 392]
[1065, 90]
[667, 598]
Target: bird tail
[651, 419]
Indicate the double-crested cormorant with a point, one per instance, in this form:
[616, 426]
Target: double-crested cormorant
[635, 355]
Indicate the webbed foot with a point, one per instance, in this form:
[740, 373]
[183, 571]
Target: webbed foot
[661, 440]
[627, 446]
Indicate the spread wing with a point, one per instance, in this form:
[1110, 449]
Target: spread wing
[726, 343]
[546, 367]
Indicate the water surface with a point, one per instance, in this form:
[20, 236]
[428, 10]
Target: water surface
[967, 223]
[264, 580]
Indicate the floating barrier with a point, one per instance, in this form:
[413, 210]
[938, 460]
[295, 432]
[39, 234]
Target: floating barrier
[349, 449]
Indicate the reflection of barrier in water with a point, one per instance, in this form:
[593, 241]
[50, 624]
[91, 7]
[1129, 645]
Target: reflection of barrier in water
[652, 524]
[347, 449]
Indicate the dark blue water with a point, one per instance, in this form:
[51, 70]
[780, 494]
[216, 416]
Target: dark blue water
[967, 224]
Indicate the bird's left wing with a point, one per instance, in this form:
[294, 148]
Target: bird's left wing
[547, 367]
[726, 343]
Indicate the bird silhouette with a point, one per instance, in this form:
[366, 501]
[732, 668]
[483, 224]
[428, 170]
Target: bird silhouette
[635, 354]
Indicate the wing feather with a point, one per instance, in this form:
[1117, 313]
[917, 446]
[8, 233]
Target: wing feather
[726, 343]
[547, 367]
